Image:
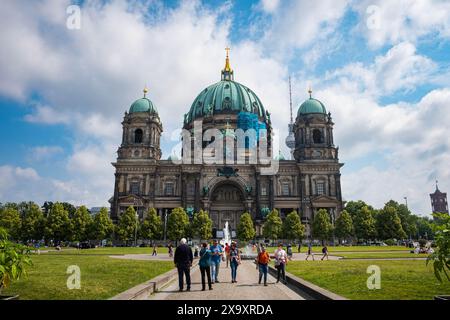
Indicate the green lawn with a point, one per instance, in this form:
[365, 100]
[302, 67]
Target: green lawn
[400, 280]
[377, 255]
[347, 249]
[101, 277]
[107, 251]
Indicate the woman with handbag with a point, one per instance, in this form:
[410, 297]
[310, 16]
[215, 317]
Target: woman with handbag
[235, 260]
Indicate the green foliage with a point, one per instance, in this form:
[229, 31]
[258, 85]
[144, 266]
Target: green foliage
[80, 224]
[364, 224]
[10, 221]
[13, 260]
[128, 223]
[293, 229]
[202, 225]
[152, 226]
[33, 223]
[344, 226]
[273, 226]
[355, 207]
[57, 225]
[245, 229]
[441, 257]
[102, 226]
[177, 224]
[389, 225]
[407, 219]
[322, 228]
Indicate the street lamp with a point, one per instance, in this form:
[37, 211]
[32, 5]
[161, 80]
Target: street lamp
[165, 224]
[135, 231]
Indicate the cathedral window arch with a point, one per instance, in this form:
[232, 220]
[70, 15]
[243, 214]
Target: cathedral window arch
[317, 136]
[138, 136]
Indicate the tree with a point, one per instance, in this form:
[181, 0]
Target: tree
[441, 257]
[293, 229]
[344, 226]
[364, 224]
[202, 225]
[177, 224]
[321, 227]
[151, 227]
[81, 223]
[424, 228]
[33, 223]
[406, 217]
[57, 225]
[389, 225]
[355, 207]
[102, 226]
[273, 226]
[10, 221]
[245, 229]
[128, 223]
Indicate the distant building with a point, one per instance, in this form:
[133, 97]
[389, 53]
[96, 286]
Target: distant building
[439, 201]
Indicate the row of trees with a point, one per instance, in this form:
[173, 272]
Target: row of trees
[363, 222]
[28, 221]
[62, 221]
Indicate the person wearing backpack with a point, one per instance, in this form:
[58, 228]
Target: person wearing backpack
[205, 265]
[280, 262]
[263, 261]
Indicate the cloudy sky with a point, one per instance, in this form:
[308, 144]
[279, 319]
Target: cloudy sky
[382, 68]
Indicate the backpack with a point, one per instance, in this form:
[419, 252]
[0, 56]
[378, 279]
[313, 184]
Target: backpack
[263, 258]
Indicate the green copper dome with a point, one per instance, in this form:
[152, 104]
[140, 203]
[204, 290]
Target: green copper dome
[226, 96]
[311, 106]
[143, 105]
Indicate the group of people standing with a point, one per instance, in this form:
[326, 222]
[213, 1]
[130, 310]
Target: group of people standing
[211, 257]
[209, 263]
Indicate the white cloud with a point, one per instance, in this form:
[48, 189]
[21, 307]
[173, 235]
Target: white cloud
[41, 153]
[270, 5]
[403, 20]
[47, 115]
[400, 69]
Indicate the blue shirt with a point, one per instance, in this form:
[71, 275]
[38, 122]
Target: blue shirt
[205, 258]
[216, 249]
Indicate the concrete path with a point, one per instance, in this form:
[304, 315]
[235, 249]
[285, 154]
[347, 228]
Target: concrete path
[246, 288]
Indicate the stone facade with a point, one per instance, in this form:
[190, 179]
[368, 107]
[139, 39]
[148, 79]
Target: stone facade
[306, 184]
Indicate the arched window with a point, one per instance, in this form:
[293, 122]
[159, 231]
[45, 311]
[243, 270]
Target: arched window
[317, 136]
[138, 134]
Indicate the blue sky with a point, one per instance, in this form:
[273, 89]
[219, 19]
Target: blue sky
[381, 68]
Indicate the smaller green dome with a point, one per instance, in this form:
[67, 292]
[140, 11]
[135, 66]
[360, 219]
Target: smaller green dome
[311, 106]
[143, 105]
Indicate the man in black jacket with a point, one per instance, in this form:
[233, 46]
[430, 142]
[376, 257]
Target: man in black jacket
[183, 261]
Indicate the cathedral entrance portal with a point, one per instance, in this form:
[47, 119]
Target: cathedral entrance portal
[227, 204]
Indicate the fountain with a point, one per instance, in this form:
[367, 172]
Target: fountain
[226, 235]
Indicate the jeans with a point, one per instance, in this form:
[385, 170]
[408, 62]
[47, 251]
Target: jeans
[215, 265]
[206, 270]
[187, 272]
[233, 264]
[281, 270]
[263, 271]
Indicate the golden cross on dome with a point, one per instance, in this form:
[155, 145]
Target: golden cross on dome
[227, 49]
[227, 60]
[145, 91]
[310, 91]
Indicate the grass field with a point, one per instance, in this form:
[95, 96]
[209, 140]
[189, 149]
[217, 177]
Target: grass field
[107, 251]
[101, 277]
[400, 280]
[378, 255]
[348, 249]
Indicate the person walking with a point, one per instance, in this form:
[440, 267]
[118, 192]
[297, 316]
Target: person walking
[299, 247]
[196, 251]
[155, 251]
[281, 262]
[235, 261]
[205, 265]
[310, 253]
[170, 250]
[263, 261]
[183, 261]
[227, 253]
[325, 252]
[289, 251]
[216, 251]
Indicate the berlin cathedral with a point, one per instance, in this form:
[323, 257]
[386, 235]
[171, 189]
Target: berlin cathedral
[310, 180]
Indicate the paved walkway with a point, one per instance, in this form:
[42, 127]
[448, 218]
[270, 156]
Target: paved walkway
[244, 289]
